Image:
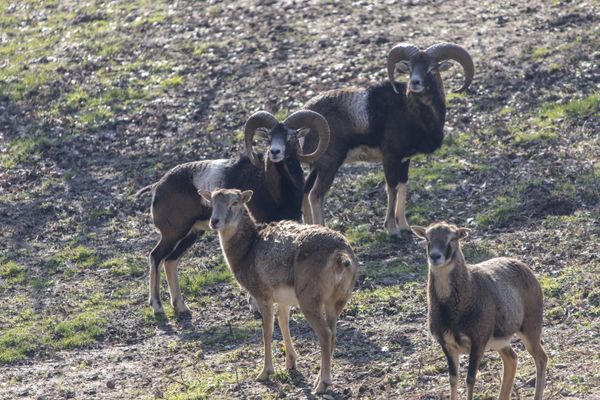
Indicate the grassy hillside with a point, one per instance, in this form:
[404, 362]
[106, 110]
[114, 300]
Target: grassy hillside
[98, 99]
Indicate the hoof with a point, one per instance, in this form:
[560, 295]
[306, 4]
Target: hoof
[398, 232]
[264, 376]
[321, 387]
[157, 307]
[397, 227]
[181, 309]
[402, 226]
[290, 363]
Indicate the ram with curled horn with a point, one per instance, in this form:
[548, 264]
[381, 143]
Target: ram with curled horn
[387, 122]
[276, 178]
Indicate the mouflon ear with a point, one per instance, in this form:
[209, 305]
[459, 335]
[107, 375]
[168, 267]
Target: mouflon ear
[263, 132]
[300, 133]
[206, 196]
[403, 66]
[247, 195]
[419, 231]
[444, 66]
[462, 232]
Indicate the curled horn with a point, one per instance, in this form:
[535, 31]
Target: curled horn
[401, 51]
[451, 51]
[260, 119]
[313, 120]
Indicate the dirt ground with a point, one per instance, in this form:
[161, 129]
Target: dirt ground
[98, 99]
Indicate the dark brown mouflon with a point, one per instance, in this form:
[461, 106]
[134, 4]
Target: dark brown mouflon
[388, 122]
[277, 180]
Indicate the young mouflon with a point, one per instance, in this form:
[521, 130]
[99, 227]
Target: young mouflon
[477, 307]
[288, 263]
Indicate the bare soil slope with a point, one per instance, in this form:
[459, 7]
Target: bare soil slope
[98, 99]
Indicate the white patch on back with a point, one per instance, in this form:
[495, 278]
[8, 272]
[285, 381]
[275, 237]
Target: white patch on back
[363, 154]
[285, 295]
[356, 103]
[209, 176]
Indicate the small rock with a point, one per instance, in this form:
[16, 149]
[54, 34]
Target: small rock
[110, 384]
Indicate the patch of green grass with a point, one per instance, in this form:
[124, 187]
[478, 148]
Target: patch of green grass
[202, 385]
[504, 209]
[553, 67]
[103, 212]
[193, 281]
[453, 96]
[477, 251]
[17, 343]
[551, 287]
[456, 95]
[537, 137]
[446, 166]
[93, 107]
[200, 49]
[172, 82]
[82, 330]
[540, 53]
[562, 221]
[21, 150]
[574, 292]
[79, 257]
[368, 181]
[238, 136]
[536, 197]
[399, 298]
[543, 125]
[156, 18]
[377, 271]
[576, 108]
[77, 99]
[231, 333]
[424, 211]
[124, 266]
[282, 375]
[506, 111]
[12, 272]
[379, 295]
[362, 235]
[588, 106]
[588, 186]
[282, 114]
[454, 145]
